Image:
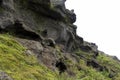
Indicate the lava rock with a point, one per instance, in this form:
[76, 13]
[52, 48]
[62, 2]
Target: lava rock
[95, 65]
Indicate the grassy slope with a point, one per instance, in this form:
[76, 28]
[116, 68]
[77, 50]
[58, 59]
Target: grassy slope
[20, 66]
[90, 73]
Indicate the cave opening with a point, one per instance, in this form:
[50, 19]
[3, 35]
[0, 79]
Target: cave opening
[1, 2]
[61, 66]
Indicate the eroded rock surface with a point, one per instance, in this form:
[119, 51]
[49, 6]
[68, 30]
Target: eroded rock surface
[40, 19]
[45, 28]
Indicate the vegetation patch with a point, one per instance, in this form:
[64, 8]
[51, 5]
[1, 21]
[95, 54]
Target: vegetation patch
[21, 66]
[18, 65]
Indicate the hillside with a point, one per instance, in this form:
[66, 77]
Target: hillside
[38, 41]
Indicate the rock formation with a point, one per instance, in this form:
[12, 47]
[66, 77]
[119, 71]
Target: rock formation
[45, 28]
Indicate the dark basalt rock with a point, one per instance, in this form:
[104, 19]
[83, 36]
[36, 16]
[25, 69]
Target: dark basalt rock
[89, 47]
[18, 29]
[96, 54]
[95, 65]
[43, 19]
[48, 18]
[54, 9]
[1, 2]
[46, 29]
[71, 16]
[86, 48]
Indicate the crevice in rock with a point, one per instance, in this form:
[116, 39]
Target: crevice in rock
[1, 2]
[61, 66]
[44, 33]
[18, 30]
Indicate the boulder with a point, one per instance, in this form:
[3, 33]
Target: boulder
[89, 47]
[71, 16]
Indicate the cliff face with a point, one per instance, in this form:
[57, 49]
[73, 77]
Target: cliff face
[38, 39]
[43, 19]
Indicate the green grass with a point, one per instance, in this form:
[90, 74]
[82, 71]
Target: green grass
[18, 65]
[112, 65]
[109, 62]
[90, 73]
[84, 55]
[21, 66]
